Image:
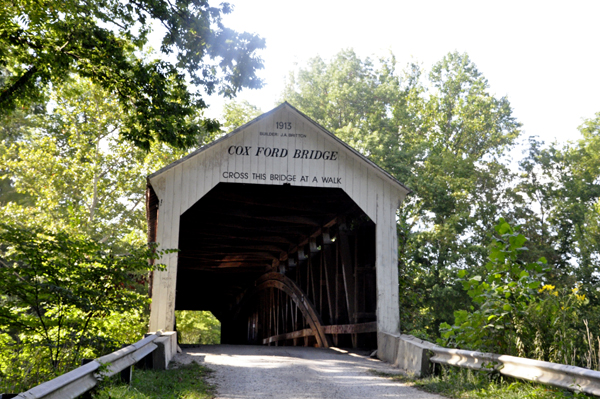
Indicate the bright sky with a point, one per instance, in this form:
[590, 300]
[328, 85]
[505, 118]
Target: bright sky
[543, 55]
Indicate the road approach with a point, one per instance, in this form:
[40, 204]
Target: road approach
[286, 372]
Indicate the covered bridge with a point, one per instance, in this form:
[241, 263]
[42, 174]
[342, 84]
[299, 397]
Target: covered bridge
[286, 234]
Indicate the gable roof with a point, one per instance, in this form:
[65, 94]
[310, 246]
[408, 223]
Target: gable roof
[326, 132]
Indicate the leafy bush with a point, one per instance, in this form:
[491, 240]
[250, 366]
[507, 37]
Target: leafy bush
[504, 296]
[64, 298]
[197, 327]
[515, 313]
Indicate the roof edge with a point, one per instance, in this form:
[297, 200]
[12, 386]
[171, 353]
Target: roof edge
[215, 142]
[266, 114]
[352, 149]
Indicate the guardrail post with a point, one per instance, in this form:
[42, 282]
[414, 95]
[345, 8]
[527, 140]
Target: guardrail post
[88, 394]
[126, 372]
[126, 375]
[166, 349]
[146, 363]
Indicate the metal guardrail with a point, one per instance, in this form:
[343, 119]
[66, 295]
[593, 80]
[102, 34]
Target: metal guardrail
[84, 378]
[559, 375]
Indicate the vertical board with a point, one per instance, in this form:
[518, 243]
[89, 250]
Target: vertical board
[160, 284]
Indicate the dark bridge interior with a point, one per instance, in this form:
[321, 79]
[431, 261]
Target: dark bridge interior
[280, 265]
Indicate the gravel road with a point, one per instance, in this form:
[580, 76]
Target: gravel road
[296, 372]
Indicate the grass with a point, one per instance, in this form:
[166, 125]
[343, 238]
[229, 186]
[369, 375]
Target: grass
[183, 382]
[469, 384]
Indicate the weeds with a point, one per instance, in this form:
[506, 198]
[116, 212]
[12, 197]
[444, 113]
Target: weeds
[469, 384]
[184, 382]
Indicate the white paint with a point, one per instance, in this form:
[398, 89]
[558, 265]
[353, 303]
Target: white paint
[247, 156]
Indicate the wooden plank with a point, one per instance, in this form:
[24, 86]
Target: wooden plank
[347, 270]
[360, 328]
[161, 283]
[284, 219]
[197, 176]
[307, 332]
[239, 265]
[208, 235]
[268, 248]
[315, 234]
[186, 183]
[354, 299]
[329, 272]
[227, 256]
[290, 232]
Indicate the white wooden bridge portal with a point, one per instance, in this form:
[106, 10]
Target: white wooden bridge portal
[286, 234]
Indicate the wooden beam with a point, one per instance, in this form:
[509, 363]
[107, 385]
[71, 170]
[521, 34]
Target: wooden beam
[290, 230]
[301, 204]
[347, 270]
[333, 329]
[243, 267]
[315, 234]
[227, 257]
[351, 328]
[312, 245]
[307, 332]
[218, 236]
[303, 220]
[207, 248]
[328, 261]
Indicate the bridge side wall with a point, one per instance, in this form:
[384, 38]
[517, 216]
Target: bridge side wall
[241, 158]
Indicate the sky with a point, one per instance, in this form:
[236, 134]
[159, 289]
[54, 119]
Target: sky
[543, 55]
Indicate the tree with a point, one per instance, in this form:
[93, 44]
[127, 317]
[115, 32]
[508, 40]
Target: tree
[76, 233]
[76, 173]
[57, 290]
[514, 314]
[558, 195]
[458, 178]
[444, 136]
[349, 96]
[503, 294]
[45, 43]
[236, 114]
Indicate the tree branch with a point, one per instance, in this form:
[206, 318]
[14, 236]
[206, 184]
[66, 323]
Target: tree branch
[22, 81]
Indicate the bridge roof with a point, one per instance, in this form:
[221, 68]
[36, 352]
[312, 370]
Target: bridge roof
[285, 105]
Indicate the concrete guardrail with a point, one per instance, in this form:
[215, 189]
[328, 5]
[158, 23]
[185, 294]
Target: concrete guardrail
[415, 356]
[161, 345]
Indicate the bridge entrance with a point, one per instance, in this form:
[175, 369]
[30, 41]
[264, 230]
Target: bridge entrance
[280, 265]
[285, 233]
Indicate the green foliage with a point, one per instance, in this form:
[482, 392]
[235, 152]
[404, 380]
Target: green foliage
[69, 172]
[236, 114]
[73, 173]
[197, 327]
[514, 314]
[181, 382]
[457, 383]
[59, 294]
[442, 135]
[349, 96]
[558, 199]
[44, 43]
[503, 297]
